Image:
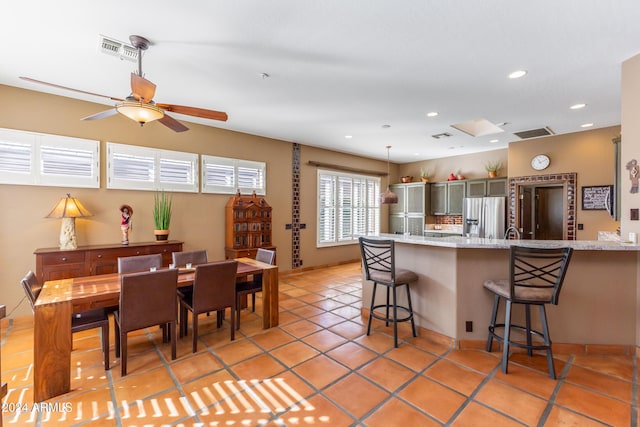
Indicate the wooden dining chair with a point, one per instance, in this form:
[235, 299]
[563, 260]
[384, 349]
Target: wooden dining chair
[214, 287]
[250, 287]
[133, 264]
[98, 318]
[146, 299]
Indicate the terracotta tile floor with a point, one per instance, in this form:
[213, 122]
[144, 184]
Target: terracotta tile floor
[318, 368]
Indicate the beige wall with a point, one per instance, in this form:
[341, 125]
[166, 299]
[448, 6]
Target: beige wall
[198, 219]
[630, 139]
[588, 153]
[471, 166]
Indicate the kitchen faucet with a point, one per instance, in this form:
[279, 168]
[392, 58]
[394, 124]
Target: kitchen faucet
[514, 229]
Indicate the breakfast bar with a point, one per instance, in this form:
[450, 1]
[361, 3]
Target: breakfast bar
[597, 306]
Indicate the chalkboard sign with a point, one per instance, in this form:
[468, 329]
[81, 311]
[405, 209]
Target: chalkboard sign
[597, 197]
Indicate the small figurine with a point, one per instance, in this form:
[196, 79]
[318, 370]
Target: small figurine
[125, 223]
[632, 167]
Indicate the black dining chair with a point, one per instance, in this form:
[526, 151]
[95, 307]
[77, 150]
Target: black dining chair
[90, 319]
[250, 287]
[146, 299]
[535, 278]
[214, 288]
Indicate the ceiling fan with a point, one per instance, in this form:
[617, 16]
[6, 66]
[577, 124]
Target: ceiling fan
[139, 105]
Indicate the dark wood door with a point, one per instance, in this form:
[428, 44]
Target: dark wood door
[526, 218]
[549, 213]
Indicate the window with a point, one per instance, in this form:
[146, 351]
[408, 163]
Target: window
[142, 168]
[228, 176]
[30, 158]
[347, 207]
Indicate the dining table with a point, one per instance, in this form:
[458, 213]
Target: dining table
[60, 299]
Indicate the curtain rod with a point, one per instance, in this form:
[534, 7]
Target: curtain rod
[345, 168]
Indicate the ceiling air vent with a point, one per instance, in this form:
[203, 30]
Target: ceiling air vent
[441, 135]
[113, 47]
[534, 133]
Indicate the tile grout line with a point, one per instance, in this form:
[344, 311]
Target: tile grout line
[556, 390]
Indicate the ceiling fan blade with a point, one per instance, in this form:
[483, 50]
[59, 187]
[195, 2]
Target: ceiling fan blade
[173, 124]
[29, 79]
[193, 111]
[141, 88]
[101, 115]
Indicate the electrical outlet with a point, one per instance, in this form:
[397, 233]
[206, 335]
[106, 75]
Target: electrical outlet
[633, 213]
[580, 226]
[468, 326]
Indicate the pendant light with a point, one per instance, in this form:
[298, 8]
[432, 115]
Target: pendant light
[388, 197]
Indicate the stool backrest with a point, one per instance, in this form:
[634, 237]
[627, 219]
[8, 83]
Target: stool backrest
[193, 257]
[378, 259]
[539, 272]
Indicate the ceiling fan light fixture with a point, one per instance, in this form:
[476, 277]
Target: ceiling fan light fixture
[140, 112]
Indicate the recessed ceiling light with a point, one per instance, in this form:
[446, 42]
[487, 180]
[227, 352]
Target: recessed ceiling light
[493, 141]
[577, 106]
[416, 154]
[264, 76]
[432, 114]
[517, 74]
[586, 125]
[386, 126]
[348, 136]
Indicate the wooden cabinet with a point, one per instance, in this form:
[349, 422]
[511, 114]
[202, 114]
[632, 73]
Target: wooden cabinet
[54, 264]
[493, 187]
[408, 215]
[447, 198]
[247, 226]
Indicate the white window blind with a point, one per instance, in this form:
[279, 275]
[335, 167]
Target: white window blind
[141, 168]
[228, 176]
[347, 207]
[31, 158]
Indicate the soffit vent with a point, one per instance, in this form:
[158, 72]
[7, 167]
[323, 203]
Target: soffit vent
[113, 47]
[534, 133]
[441, 135]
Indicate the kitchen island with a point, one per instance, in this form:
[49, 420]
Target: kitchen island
[598, 303]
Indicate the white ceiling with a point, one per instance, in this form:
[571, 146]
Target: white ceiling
[342, 67]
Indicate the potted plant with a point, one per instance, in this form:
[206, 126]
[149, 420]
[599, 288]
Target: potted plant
[492, 168]
[162, 215]
[424, 174]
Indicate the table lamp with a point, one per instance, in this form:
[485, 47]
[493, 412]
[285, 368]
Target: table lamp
[68, 208]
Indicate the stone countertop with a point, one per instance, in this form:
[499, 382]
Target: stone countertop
[482, 243]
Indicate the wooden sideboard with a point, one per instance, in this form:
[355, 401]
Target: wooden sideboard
[55, 264]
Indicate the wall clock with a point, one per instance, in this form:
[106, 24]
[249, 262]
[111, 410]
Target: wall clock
[540, 162]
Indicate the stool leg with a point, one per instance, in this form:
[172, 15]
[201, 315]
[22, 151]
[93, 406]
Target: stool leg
[507, 329]
[494, 315]
[528, 327]
[547, 341]
[373, 298]
[387, 316]
[395, 319]
[413, 324]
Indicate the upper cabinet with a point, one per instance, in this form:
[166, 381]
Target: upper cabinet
[493, 187]
[447, 197]
[408, 214]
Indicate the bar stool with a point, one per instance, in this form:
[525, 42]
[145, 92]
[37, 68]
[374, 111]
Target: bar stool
[536, 277]
[378, 258]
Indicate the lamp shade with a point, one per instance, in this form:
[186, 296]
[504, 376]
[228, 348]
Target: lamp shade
[69, 207]
[140, 111]
[388, 197]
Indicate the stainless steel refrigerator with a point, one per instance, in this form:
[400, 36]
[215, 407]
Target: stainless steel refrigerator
[484, 217]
